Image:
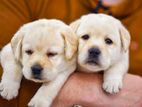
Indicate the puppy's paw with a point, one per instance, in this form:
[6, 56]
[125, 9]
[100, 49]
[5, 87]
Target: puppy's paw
[112, 85]
[38, 102]
[9, 90]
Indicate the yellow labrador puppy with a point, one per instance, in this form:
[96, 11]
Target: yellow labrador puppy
[43, 51]
[103, 46]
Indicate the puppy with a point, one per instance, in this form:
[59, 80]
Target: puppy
[43, 51]
[103, 46]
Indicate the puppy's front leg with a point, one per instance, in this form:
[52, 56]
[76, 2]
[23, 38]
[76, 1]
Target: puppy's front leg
[12, 74]
[48, 91]
[113, 77]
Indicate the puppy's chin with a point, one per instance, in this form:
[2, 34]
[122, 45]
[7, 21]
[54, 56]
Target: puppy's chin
[31, 78]
[39, 80]
[91, 66]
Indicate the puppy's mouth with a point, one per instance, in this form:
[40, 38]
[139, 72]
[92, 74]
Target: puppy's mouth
[37, 77]
[39, 80]
[92, 62]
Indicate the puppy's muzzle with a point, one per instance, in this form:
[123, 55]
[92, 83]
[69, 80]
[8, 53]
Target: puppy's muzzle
[93, 55]
[36, 71]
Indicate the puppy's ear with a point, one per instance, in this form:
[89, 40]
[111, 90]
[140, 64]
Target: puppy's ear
[125, 37]
[71, 42]
[16, 43]
[74, 25]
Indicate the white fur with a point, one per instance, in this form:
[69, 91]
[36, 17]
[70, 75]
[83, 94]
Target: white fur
[114, 58]
[42, 37]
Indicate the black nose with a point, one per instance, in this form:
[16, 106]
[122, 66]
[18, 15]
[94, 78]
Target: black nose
[94, 52]
[36, 70]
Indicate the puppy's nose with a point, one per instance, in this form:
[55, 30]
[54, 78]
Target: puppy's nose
[36, 70]
[94, 52]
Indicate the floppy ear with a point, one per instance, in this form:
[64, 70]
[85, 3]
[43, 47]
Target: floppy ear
[71, 42]
[16, 43]
[125, 37]
[74, 25]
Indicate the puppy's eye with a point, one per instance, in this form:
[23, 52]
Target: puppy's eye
[85, 37]
[108, 41]
[51, 54]
[29, 52]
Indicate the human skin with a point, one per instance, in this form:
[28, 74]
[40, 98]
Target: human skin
[86, 90]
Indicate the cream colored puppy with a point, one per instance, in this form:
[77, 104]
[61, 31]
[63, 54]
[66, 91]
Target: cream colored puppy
[103, 46]
[43, 51]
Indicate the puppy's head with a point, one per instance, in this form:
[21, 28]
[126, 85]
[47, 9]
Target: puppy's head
[44, 48]
[102, 40]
